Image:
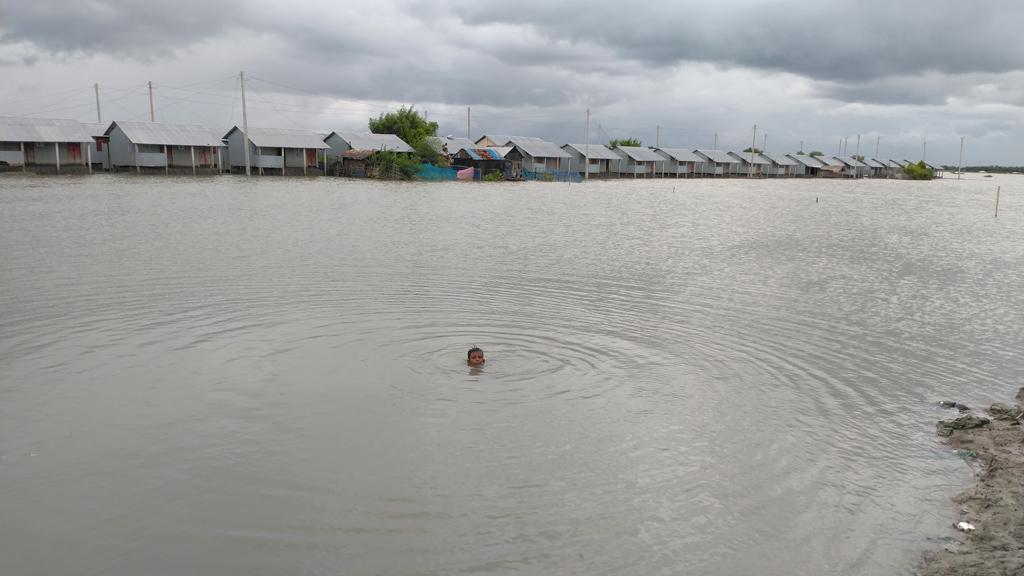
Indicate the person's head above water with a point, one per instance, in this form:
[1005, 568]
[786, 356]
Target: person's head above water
[475, 356]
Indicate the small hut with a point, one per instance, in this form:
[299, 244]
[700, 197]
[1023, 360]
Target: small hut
[44, 145]
[164, 147]
[681, 162]
[603, 161]
[275, 150]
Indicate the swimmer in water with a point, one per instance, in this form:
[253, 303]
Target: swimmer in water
[475, 357]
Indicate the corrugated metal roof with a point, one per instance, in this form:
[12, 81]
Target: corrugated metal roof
[283, 138]
[597, 151]
[682, 154]
[808, 161]
[641, 154]
[485, 153]
[717, 156]
[453, 143]
[873, 163]
[900, 163]
[371, 141]
[94, 130]
[757, 159]
[541, 149]
[13, 129]
[502, 139]
[851, 161]
[826, 161]
[169, 134]
[780, 159]
[934, 167]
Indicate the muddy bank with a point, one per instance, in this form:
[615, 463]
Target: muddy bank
[994, 506]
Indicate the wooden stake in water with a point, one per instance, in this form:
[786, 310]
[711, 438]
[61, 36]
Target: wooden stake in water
[998, 188]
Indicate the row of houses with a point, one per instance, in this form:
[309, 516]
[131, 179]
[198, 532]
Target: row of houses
[53, 145]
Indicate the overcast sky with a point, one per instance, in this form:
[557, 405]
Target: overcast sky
[898, 73]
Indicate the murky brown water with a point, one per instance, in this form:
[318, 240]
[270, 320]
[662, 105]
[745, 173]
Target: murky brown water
[230, 376]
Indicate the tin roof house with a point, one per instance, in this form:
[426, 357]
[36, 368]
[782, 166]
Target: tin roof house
[280, 150]
[99, 146]
[779, 165]
[603, 161]
[805, 165]
[533, 158]
[349, 151]
[680, 162]
[484, 160]
[830, 167]
[44, 145]
[750, 165]
[852, 167]
[161, 146]
[716, 162]
[639, 161]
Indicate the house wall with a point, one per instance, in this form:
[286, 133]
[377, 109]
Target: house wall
[120, 149]
[236, 150]
[337, 145]
[100, 156]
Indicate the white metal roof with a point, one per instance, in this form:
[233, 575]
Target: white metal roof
[540, 149]
[850, 161]
[717, 156]
[169, 134]
[826, 161]
[779, 159]
[371, 141]
[873, 163]
[13, 129]
[681, 154]
[808, 161]
[597, 151]
[641, 154]
[283, 138]
[746, 157]
[93, 129]
[502, 139]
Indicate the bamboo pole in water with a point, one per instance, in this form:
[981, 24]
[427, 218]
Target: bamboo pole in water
[998, 189]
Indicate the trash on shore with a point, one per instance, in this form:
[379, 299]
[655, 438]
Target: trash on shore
[1001, 411]
[965, 527]
[947, 427]
[952, 404]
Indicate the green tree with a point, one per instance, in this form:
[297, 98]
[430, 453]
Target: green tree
[408, 125]
[625, 142]
[756, 150]
[919, 171]
[816, 153]
[858, 157]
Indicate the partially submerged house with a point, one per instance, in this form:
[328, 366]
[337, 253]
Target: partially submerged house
[603, 161]
[680, 162]
[749, 164]
[532, 157]
[830, 167]
[275, 150]
[937, 170]
[639, 161]
[877, 168]
[349, 151]
[99, 147]
[780, 165]
[44, 145]
[162, 146]
[852, 167]
[805, 165]
[483, 160]
[449, 145]
[716, 162]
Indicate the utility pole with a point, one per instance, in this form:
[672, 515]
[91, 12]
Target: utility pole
[152, 113]
[586, 166]
[801, 145]
[753, 144]
[857, 153]
[924, 151]
[245, 128]
[468, 137]
[99, 117]
[960, 166]
[657, 139]
[878, 142]
[716, 142]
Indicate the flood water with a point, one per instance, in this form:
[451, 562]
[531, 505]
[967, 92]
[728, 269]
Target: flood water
[267, 376]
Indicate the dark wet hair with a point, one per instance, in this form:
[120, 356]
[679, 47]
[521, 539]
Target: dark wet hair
[471, 350]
